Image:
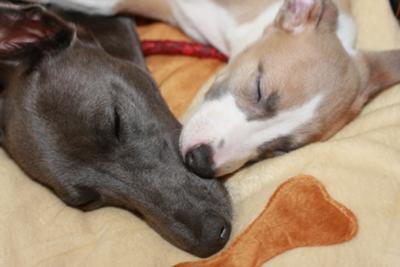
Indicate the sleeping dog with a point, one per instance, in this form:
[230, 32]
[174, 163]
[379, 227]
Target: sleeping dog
[294, 76]
[80, 114]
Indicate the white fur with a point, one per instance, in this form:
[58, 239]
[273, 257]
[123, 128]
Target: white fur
[222, 120]
[241, 36]
[205, 21]
[347, 32]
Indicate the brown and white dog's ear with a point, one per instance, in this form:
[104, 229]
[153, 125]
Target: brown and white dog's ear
[379, 70]
[26, 29]
[295, 15]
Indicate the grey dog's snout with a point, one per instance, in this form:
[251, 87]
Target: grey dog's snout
[199, 160]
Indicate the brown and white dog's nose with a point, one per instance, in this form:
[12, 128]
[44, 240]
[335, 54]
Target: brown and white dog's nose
[199, 160]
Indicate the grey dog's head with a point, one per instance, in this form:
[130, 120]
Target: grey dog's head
[92, 126]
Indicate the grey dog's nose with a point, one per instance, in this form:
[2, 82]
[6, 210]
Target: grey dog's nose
[215, 234]
[199, 160]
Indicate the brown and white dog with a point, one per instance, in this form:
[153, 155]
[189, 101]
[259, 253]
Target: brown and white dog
[294, 76]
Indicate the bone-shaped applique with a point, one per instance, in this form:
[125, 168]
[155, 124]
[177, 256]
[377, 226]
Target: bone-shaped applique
[299, 214]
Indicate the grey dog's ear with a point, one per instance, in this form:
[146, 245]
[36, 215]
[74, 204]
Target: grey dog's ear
[26, 30]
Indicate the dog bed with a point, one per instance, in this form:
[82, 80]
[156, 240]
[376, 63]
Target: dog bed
[359, 168]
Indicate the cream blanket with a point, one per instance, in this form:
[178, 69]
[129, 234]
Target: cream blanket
[360, 168]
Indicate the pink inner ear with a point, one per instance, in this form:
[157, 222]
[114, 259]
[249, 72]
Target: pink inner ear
[299, 8]
[23, 33]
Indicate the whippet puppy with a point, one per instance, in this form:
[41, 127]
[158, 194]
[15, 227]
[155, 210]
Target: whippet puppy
[294, 75]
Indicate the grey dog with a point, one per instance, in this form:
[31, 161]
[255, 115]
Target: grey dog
[80, 114]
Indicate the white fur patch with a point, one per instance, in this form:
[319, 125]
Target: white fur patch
[205, 21]
[221, 124]
[347, 32]
[241, 36]
[101, 7]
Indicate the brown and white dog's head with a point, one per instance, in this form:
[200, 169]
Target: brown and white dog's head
[295, 85]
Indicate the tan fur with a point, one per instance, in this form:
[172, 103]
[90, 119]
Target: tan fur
[342, 75]
[378, 71]
[344, 6]
[282, 60]
[156, 9]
